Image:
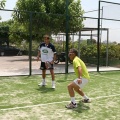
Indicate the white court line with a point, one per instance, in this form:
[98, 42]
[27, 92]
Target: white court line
[105, 77]
[15, 108]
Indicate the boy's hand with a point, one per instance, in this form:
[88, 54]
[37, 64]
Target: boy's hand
[38, 58]
[52, 62]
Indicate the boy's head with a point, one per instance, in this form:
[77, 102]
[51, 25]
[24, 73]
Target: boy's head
[46, 39]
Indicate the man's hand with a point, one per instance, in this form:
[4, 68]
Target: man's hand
[79, 80]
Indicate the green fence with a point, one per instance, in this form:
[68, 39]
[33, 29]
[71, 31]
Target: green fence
[90, 35]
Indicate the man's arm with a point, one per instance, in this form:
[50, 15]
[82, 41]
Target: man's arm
[79, 75]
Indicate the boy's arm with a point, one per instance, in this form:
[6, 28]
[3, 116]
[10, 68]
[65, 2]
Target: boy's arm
[54, 58]
[38, 56]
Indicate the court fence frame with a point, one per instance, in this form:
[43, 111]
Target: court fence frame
[98, 29]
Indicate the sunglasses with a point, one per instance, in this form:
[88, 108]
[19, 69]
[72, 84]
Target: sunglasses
[70, 54]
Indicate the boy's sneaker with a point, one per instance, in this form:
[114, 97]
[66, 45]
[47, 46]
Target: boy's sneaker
[42, 84]
[71, 105]
[53, 86]
[86, 100]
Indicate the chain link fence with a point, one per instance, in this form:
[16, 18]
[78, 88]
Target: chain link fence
[25, 35]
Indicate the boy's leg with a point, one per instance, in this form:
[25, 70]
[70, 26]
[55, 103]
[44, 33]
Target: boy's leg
[43, 74]
[43, 68]
[53, 77]
[43, 83]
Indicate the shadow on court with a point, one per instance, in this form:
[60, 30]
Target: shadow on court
[81, 107]
[44, 89]
[64, 79]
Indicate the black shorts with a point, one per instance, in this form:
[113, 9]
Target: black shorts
[43, 67]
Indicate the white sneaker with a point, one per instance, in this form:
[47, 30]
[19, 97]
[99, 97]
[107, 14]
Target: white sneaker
[53, 86]
[71, 105]
[42, 83]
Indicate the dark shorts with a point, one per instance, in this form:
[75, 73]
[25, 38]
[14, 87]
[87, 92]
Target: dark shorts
[43, 67]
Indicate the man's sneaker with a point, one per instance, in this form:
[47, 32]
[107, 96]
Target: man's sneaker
[53, 86]
[86, 100]
[71, 105]
[42, 84]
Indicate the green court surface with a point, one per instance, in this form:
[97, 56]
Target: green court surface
[22, 99]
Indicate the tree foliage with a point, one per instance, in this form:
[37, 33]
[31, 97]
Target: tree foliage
[48, 16]
[4, 33]
[2, 4]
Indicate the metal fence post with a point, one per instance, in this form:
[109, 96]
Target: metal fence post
[30, 44]
[67, 36]
[98, 40]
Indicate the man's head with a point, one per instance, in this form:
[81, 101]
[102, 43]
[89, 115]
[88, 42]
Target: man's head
[46, 39]
[72, 53]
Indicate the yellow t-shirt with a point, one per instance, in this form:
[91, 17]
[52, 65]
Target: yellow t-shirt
[78, 62]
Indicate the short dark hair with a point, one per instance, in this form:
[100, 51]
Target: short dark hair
[46, 35]
[73, 50]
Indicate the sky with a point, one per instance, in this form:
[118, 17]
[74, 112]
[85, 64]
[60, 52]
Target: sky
[87, 5]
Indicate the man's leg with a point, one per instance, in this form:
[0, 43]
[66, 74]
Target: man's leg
[73, 104]
[79, 90]
[53, 77]
[71, 87]
[85, 98]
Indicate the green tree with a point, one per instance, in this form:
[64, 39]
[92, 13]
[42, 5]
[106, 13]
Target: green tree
[3, 29]
[4, 33]
[11, 33]
[48, 15]
[17, 32]
[2, 4]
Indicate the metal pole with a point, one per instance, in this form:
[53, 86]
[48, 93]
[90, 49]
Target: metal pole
[67, 36]
[63, 44]
[73, 40]
[107, 47]
[79, 43]
[98, 41]
[91, 38]
[30, 44]
[101, 25]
